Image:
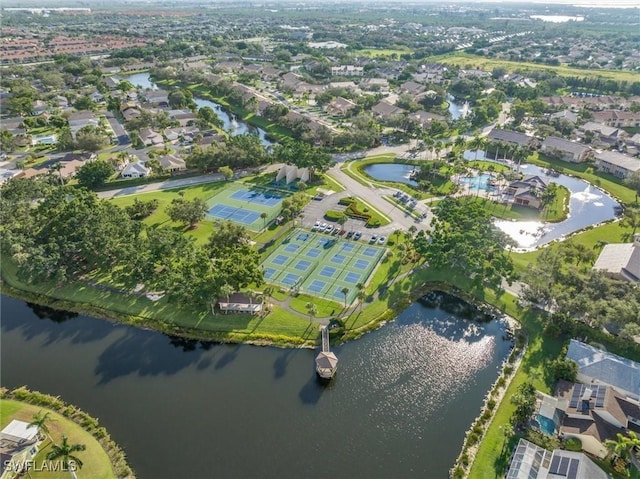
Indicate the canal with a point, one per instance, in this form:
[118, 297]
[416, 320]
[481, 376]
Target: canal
[230, 122]
[399, 406]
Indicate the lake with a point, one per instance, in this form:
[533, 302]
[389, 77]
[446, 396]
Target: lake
[399, 406]
[391, 172]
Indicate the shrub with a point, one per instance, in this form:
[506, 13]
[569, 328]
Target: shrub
[491, 404]
[573, 444]
[333, 215]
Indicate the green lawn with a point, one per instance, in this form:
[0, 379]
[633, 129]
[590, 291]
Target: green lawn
[383, 52]
[96, 463]
[466, 60]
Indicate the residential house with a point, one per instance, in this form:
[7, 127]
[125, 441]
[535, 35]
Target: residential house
[527, 192]
[291, 80]
[13, 126]
[595, 413]
[567, 115]
[412, 88]
[184, 117]
[617, 164]
[86, 156]
[150, 137]
[512, 138]
[347, 71]
[135, 170]
[621, 261]
[425, 118]
[530, 461]
[111, 82]
[340, 106]
[158, 97]
[347, 85]
[39, 107]
[375, 84]
[565, 150]
[172, 163]
[81, 119]
[606, 135]
[19, 443]
[69, 168]
[596, 366]
[386, 110]
[617, 118]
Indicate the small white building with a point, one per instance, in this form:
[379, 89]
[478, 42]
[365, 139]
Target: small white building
[135, 170]
[18, 445]
[291, 173]
[621, 261]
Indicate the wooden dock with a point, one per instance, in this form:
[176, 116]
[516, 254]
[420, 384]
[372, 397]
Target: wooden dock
[326, 361]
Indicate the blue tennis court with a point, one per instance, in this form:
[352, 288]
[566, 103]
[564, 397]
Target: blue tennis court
[303, 265]
[338, 258]
[269, 272]
[328, 272]
[239, 215]
[280, 259]
[313, 253]
[348, 247]
[361, 264]
[370, 252]
[290, 279]
[291, 248]
[267, 199]
[316, 286]
[303, 237]
[352, 277]
[338, 293]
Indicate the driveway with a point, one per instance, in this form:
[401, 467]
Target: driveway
[123, 137]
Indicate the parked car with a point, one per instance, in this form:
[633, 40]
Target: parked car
[316, 225]
[349, 234]
[322, 227]
[328, 229]
[335, 231]
[373, 239]
[357, 235]
[382, 239]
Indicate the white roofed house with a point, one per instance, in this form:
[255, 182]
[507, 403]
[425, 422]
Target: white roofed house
[135, 170]
[617, 164]
[621, 260]
[19, 444]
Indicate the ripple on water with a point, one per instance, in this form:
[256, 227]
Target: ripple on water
[414, 370]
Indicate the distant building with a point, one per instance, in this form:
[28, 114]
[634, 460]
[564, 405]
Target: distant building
[291, 173]
[347, 71]
[565, 150]
[171, 163]
[514, 138]
[240, 303]
[617, 164]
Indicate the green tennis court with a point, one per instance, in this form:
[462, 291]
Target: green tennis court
[321, 265]
[244, 204]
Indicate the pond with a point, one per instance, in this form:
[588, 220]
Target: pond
[391, 172]
[458, 109]
[588, 206]
[399, 406]
[230, 122]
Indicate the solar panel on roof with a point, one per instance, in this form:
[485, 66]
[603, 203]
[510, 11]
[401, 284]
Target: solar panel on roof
[575, 396]
[564, 466]
[573, 469]
[554, 464]
[602, 391]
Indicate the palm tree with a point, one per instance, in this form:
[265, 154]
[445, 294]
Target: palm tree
[396, 233]
[632, 219]
[345, 291]
[39, 420]
[476, 143]
[57, 166]
[65, 451]
[361, 297]
[312, 310]
[460, 142]
[623, 446]
[264, 216]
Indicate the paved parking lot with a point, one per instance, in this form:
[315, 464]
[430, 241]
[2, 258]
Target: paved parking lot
[315, 211]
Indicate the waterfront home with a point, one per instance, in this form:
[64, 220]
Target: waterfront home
[621, 261]
[530, 461]
[617, 164]
[527, 191]
[509, 137]
[595, 413]
[596, 366]
[565, 150]
[19, 444]
[135, 170]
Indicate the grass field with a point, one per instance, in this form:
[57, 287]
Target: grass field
[466, 60]
[321, 265]
[96, 463]
[383, 52]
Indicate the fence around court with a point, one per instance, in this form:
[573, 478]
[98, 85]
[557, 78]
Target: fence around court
[322, 265]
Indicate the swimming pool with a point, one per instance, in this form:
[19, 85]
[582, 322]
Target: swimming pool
[480, 182]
